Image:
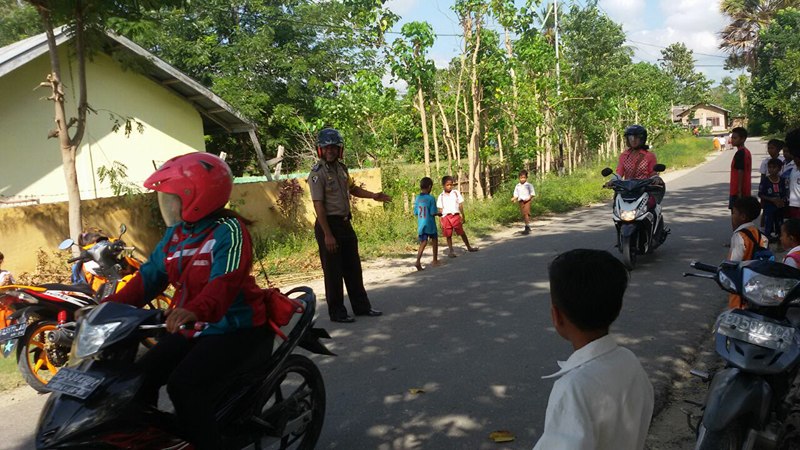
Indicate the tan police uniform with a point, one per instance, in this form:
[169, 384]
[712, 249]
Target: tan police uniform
[330, 183]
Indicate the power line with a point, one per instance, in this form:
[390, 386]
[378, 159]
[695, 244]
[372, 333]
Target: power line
[662, 46]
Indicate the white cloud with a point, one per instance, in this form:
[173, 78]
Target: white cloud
[400, 85]
[696, 23]
[400, 7]
[626, 12]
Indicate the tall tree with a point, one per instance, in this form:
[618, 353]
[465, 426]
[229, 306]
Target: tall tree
[773, 100]
[409, 62]
[740, 36]
[86, 21]
[691, 87]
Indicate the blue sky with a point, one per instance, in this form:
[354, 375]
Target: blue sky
[649, 24]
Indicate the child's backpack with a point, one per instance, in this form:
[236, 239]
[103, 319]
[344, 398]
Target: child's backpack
[759, 253]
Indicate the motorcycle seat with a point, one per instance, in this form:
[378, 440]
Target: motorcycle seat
[80, 287]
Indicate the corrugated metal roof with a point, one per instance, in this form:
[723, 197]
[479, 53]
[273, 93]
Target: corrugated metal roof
[217, 114]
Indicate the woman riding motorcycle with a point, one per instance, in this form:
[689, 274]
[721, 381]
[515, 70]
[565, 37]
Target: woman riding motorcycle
[206, 254]
[637, 162]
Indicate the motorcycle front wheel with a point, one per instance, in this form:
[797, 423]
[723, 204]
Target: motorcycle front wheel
[729, 438]
[628, 249]
[35, 355]
[295, 406]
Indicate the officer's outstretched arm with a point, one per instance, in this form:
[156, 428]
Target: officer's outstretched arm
[358, 191]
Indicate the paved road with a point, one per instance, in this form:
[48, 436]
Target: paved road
[476, 336]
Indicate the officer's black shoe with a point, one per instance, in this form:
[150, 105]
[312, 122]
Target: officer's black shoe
[371, 313]
[343, 319]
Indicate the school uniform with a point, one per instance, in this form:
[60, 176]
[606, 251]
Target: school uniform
[449, 203]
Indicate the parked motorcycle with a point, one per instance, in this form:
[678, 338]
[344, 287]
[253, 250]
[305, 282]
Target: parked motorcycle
[754, 401]
[640, 228]
[39, 330]
[279, 401]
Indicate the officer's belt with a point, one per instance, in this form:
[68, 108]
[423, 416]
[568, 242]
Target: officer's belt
[340, 218]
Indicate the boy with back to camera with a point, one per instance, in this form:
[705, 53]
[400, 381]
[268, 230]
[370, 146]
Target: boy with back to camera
[425, 209]
[451, 207]
[746, 237]
[603, 399]
[523, 194]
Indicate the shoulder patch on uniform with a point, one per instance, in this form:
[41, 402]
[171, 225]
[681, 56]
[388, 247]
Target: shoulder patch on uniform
[314, 179]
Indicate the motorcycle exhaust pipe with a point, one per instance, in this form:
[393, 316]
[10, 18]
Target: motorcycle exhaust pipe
[62, 337]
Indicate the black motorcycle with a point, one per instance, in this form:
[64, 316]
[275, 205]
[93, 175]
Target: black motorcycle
[640, 229]
[754, 401]
[274, 402]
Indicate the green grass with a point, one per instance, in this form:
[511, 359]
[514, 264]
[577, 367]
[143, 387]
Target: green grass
[9, 374]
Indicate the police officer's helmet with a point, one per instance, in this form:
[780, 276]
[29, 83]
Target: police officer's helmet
[329, 136]
[637, 130]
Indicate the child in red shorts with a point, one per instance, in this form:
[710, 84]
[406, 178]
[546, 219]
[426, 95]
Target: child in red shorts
[451, 207]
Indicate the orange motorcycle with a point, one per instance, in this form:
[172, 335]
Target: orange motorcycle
[41, 326]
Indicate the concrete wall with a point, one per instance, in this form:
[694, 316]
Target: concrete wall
[25, 229]
[31, 163]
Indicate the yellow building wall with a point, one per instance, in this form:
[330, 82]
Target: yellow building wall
[703, 115]
[31, 163]
[25, 229]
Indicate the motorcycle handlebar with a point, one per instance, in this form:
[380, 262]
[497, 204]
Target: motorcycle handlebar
[80, 257]
[704, 267]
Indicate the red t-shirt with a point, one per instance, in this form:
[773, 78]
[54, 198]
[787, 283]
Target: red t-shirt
[741, 161]
[636, 164]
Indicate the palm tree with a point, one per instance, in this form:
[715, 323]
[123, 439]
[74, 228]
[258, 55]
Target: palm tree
[748, 17]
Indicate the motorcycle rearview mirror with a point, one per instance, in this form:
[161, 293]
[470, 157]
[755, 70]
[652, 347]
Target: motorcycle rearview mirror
[123, 229]
[659, 168]
[66, 244]
[606, 172]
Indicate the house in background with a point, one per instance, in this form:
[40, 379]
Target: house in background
[702, 115]
[176, 114]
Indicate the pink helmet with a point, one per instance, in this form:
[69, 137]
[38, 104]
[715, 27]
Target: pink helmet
[202, 181]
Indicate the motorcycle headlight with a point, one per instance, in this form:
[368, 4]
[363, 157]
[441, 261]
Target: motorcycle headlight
[628, 216]
[764, 290]
[92, 337]
[726, 282]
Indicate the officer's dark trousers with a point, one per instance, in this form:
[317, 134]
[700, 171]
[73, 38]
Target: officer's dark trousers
[196, 371]
[342, 264]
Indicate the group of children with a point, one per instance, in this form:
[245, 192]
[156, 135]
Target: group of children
[449, 206]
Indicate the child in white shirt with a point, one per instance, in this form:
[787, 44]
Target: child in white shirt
[523, 194]
[790, 240]
[451, 208]
[603, 399]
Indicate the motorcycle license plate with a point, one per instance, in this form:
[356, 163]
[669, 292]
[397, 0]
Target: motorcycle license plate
[13, 331]
[74, 383]
[755, 331]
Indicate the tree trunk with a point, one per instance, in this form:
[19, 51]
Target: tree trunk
[425, 138]
[515, 99]
[448, 138]
[68, 146]
[435, 141]
[500, 147]
[474, 151]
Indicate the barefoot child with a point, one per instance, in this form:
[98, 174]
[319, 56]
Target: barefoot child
[425, 210]
[451, 208]
[523, 194]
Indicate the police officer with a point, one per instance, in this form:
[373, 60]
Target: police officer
[331, 187]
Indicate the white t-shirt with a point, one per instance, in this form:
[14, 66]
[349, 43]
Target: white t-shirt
[790, 261]
[763, 169]
[794, 188]
[524, 191]
[603, 401]
[448, 202]
[6, 278]
[787, 167]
